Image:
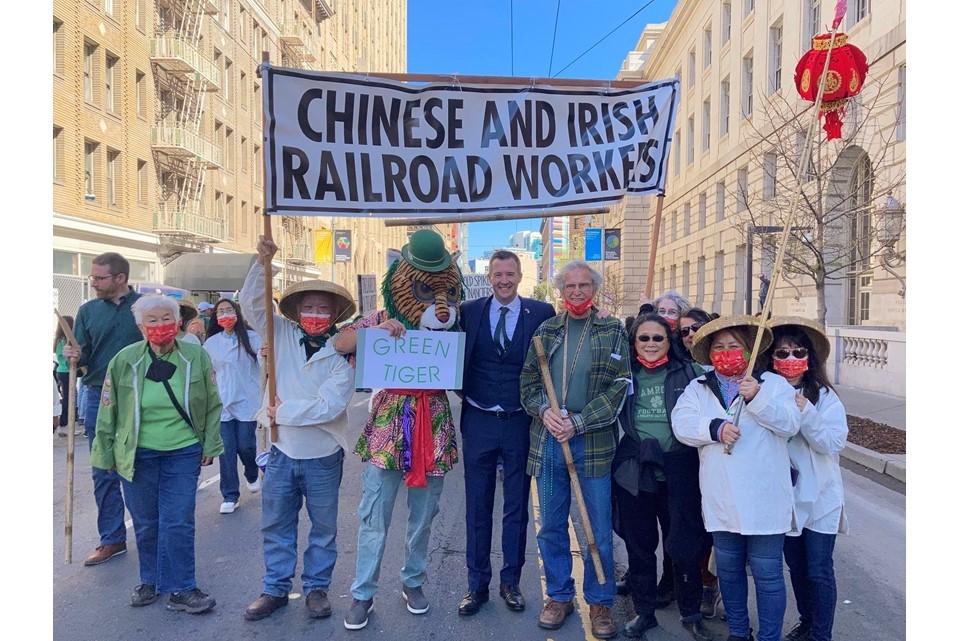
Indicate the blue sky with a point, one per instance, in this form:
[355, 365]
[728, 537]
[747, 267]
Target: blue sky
[473, 38]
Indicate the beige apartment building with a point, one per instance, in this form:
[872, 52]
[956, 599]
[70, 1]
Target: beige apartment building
[733, 163]
[157, 138]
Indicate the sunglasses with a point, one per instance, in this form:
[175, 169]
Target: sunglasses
[656, 338]
[686, 331]
[782, 353]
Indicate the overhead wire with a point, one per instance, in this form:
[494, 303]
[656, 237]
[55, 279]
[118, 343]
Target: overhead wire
[635, 14]
[553, 47]
[511, 37]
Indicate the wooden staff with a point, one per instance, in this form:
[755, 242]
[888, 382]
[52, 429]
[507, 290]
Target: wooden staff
[268, 291]
[788, 227]
[652, 262]
[71, 426]
[568, 457]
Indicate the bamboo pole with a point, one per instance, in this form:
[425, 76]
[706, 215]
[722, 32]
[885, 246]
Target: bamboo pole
[481, 218]
[652, 262]
[71, 441]
[268, 292]
[788, 226]
[568, 457]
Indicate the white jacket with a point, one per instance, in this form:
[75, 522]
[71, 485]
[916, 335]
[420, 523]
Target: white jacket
[311, 417]
[815, 454]
[238, 375]
[749, 490]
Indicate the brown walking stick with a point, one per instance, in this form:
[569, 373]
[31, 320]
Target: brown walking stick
[71, 425]
[568, 457]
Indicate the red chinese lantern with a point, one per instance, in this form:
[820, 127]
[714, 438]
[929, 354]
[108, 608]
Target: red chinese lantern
[844, 78]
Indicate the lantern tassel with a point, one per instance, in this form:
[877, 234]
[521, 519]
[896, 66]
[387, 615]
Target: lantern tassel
[832, 124]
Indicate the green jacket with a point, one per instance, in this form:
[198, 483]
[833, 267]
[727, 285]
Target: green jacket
[118, 422]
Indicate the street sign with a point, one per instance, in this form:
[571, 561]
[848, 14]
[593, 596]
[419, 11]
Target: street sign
[593, 244]
[611, 244]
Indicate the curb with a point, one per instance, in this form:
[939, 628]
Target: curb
[877, 462]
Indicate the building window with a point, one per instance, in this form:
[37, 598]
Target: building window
[142, 182]
[857, 11]
[218, 138]
[257, 111]
[721, 200]
[243, 90]
[726, 15]
[90, 169]
[673, 276]
[902, 103]
[242, 24]
[113, 176]
[776, 56]
[110, 82]
[686, 219]
[58, 154]
[141, 93]
[703, 210]
[705, 127]
[108, 6]
[686, 278]
[809, 174]
[707, 47]
[746, 98]
[231, 224]
[230, 152]
[225, 14]
[673, 226]
[811, 23]
[692, 67]
[244, 163]
[690, 145]
[725, 106]
[663, 278]
[676, 154]
[257, 165]
[701, 278]
[748, 7]
[860, 231]
[244, 221]
[742, 187]
[140, 14]
[717, 282]
[663, 232]
[58, 47]
[227, 77]
[257, 41]
[89, 71]
[769, 175]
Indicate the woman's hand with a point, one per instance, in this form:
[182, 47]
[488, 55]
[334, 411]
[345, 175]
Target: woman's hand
[749, 387]
[729, 433]
[206, 460]
[801, 401]
[272, 409]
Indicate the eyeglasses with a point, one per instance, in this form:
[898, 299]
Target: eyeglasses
[782, 353]
[99, 279]
[656, 338]
[668, 313]
[692, 329]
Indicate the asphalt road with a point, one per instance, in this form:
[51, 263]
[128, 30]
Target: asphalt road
[93, 603]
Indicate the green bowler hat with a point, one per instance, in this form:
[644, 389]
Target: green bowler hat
[426, 251]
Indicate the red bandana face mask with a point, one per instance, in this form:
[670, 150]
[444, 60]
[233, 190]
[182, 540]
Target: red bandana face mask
[315, 324]
[672, 322]
[161, 334]
[730, 362]
[790, 368]
[653, 364]
[227, 322]
[580, 309]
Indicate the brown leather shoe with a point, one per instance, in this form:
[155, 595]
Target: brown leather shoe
[601, 622]
[318, 605]
[554, 613]
[105, 553]
[264, 606]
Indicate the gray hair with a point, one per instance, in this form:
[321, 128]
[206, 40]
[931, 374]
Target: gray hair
[578, 263]
[677, 298]
[154, 301]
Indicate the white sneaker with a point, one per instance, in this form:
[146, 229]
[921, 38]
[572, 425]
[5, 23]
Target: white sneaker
[227, 507]
[253, 487]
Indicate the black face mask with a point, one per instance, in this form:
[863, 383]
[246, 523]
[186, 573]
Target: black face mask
[159, 370]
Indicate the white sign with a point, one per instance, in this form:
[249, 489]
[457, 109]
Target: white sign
[351, 145]
[418, 360]
[367, 284]
[477, 286]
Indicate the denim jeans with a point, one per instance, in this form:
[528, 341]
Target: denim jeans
[810, 559]
[239, 439]
[766, 563]
[106, 484]
[380, 489]
[553, 488]
[162, 499]
[287, 483]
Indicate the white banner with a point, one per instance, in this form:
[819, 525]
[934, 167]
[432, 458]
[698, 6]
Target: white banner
[418, 360]
[350, 145]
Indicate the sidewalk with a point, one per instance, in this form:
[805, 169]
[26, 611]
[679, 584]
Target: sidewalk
[882, 408]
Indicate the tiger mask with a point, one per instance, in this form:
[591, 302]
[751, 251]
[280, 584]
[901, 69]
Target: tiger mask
[424, 289]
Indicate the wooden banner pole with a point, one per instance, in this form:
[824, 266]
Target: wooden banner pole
[71, 401]
[268, 291]
[481, 218]
[652, 262]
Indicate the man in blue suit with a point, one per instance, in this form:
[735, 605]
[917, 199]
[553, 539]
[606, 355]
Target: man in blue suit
[494, 425]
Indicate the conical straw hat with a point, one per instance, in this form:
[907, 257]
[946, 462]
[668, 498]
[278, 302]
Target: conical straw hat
[750, 325]
[291, 296]
[821, 344]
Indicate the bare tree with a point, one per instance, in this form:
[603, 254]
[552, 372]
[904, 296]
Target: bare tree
[837, 230]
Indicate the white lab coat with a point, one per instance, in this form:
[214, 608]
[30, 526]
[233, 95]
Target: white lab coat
[238, 375]
[314, 394]
[815, 455]
[748, 491]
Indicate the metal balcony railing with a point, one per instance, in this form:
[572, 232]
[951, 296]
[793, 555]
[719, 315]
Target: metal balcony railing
[173, 54]
[181, 142]
[301, 254]
[291, 30]
[171, 220]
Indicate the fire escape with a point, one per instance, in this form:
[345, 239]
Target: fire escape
[183, 77]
